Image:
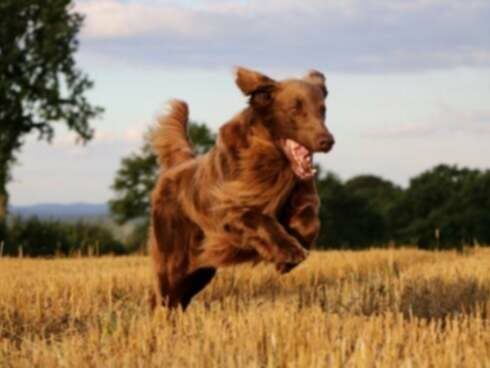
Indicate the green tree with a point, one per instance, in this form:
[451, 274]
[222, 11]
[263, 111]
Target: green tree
[381, 196]
[348, 220]
[380, 193]
[132, 185]
[137, 176]
[475, 199]
[40, 83]
[448, 200]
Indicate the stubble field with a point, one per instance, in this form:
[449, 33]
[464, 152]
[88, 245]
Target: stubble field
[377, 308]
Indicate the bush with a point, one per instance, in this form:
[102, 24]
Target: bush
[51, 237]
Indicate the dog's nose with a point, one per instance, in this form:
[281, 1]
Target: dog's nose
[325, 142]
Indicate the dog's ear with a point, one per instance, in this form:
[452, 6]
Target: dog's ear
[258, 86]
[317, 78]
[250, 81]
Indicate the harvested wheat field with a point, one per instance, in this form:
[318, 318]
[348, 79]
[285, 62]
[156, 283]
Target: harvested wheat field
[377, 308]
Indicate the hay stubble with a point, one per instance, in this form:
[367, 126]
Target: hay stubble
[377, 308]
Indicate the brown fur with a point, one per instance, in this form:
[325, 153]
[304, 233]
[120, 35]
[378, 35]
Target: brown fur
[241, 201]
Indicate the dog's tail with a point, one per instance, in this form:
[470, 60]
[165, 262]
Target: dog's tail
[169, 138]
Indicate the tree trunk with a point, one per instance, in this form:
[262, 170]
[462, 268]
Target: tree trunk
[3, 208]
[6, 158]
[3, 204]
[9, 143]
[3, 191]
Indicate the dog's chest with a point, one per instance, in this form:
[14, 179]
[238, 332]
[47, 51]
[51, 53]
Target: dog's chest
[269, 188]
[278, 196]
[266, 177]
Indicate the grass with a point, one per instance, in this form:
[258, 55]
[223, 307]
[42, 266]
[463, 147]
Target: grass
[377, 308]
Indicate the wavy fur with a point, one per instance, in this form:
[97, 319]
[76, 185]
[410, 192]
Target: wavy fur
[239, 202]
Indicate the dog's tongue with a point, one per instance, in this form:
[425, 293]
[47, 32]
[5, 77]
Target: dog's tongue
[300, 159]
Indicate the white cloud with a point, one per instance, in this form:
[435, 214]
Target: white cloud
[117, 19]
[113, 19]
[351, 35]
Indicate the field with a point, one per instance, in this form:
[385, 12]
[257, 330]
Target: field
[377, 308]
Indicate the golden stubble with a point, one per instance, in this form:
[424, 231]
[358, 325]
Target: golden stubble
[376, 308]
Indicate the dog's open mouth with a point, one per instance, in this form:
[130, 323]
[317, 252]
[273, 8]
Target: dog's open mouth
[299, 157]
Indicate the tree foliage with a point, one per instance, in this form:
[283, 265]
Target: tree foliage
[380, 195]
[348, 219]
[40, 83]
[451, 201]
[444, 207]
[132, 185]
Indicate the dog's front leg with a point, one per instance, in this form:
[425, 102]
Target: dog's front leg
[267, 236]
[300, 217]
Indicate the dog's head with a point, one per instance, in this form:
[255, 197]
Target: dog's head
[294, 111]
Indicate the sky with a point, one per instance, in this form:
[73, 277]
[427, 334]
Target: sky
[408, 80]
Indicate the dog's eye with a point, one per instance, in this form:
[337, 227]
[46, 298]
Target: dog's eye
[325, 92]
[297, 106]
[323, 111]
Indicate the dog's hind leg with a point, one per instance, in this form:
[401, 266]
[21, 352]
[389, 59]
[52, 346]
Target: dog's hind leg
[193, 284]
[168, 240]
[163, 292]
[183, 289]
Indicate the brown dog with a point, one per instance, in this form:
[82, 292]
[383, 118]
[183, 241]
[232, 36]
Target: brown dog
[252, 197]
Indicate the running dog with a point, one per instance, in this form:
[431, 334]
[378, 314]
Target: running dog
[252, 197]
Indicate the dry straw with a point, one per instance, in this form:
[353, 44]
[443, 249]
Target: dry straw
[378, 308]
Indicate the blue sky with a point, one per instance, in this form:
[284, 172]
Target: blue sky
[409, 82]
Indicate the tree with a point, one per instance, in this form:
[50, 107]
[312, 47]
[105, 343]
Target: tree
[448, 200]
[381, 195]
[347, 219]
[475, 198]
[132, 185]
[137, 176]
[40, 83]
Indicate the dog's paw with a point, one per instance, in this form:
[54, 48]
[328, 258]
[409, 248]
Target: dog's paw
[296, 255]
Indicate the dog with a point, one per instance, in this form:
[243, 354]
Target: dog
[252, 197]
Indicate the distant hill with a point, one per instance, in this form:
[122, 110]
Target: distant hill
[68, 211]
